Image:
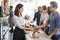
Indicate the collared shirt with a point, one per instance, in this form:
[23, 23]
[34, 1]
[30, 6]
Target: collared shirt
[54, 21]
[19, 22]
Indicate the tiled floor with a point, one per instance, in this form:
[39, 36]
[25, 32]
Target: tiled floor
[8, 35]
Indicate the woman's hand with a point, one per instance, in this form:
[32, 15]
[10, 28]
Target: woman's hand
[36, 29]
[28, 29]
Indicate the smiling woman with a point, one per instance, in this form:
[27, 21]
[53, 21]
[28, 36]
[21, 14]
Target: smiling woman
[19, 33]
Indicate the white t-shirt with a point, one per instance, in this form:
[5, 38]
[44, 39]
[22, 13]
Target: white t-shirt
[19, 21]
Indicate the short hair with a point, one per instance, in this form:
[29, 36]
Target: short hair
[11, 7]
[44, 7]
[54, 4]
[39, 6]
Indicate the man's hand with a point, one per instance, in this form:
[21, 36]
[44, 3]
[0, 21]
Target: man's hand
[48, 36]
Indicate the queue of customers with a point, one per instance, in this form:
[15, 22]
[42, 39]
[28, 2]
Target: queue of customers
[47, 18]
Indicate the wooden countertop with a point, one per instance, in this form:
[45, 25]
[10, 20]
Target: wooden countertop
[41, 36]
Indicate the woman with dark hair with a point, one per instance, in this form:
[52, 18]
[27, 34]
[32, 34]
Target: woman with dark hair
[19, 33]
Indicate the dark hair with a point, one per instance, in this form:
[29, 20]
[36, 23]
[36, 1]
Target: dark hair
[54, 4]
[16, 9]
[44, 7]
[49, 10]
[11, 7]
[39, 7]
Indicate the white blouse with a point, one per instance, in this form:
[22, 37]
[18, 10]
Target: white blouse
[19, 22]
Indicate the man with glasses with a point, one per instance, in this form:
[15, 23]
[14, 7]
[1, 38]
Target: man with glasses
[54, 22]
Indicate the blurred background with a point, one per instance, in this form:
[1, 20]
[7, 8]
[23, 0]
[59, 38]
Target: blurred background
[30, 7]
